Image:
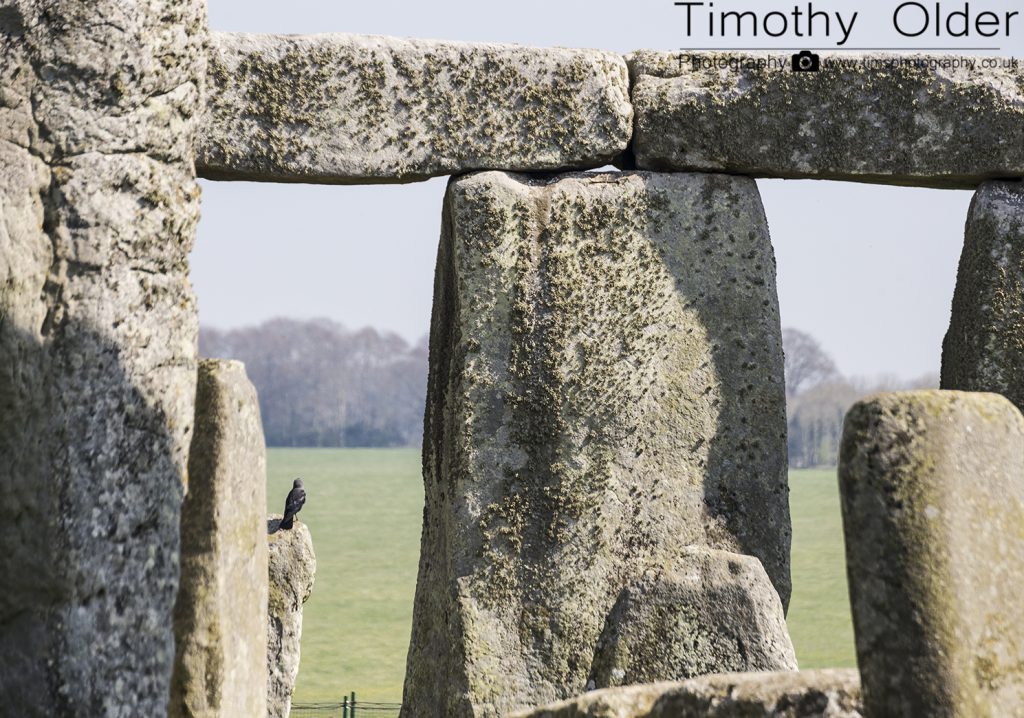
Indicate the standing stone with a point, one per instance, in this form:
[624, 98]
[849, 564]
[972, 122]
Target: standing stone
[292, 570]
[605, 390]
[355, 108]
[709, 612]
[810, 694]
[98, 209]
[888, 119]
[933, 505]
[984, 348]
[220, 619]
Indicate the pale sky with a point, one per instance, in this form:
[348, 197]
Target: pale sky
[868, 270]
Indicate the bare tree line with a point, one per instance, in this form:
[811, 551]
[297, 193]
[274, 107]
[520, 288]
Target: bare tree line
[818, 397]
[321, 385]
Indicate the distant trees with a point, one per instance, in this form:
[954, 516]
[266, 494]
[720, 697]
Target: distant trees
[807, 364]
[816, 423]
[818, 397]
[320, 384]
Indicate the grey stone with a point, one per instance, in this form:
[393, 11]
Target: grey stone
[810, 694]
[933, 505]
[356, 109]
[984, 347]
[709, 612]
[98, 208]
[605, 390]
[873, 118]
[220, 620]
[292, 571]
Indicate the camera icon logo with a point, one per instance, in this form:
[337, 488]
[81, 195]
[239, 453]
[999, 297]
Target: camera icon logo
[806, 61]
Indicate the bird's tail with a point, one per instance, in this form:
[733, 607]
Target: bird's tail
[286, 522]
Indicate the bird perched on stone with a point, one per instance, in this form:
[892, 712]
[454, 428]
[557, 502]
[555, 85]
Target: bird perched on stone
[293, 504]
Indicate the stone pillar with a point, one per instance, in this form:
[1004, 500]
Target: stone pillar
[98, 208]
[292, 570]
[606, 389]
[807, 694]
[709, 612]
[984, 348]
[933, 505]
[735, 112]
[221, 615]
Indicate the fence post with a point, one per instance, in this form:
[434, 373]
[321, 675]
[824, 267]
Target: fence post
[353, 705]
[344, 707]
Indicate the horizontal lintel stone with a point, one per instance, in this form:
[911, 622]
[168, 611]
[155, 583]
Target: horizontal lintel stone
[912, 120]
[347, 109]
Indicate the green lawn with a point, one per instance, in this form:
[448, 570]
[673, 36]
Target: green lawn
[364, 509]
[819, 611]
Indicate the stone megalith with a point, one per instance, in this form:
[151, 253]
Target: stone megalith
[933, 505]
[606, 389]
[881, 118]
[292, 568]
[984, 347]
[337, 108]
[98, 209]
[807, 694]
[220, 619]
[709, 612]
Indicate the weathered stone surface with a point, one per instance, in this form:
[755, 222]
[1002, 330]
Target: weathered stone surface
[292, 570]
[933, 505]
[984, 347]
[605, 390]
[810, 694]
[709, 612]
[352, 108]
[220, 618]
[865, 118]
[98, 206]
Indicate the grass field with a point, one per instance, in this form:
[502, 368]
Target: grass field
[364, 509]
[819, 611]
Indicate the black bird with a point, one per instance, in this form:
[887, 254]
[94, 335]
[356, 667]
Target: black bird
[293, 504]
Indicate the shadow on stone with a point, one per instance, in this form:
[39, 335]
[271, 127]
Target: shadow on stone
[92, 486]
[273, 525]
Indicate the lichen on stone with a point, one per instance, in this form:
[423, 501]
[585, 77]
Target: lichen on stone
[598, 403]
[347, 108]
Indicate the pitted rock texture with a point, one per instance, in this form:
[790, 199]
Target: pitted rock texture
[605, 390]
[708, 612]
[352, 108]
[292, 571]
[810, 694]
[933, 505]
[865, 118]
[220, 619]
[98, 208]
[984, 347]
